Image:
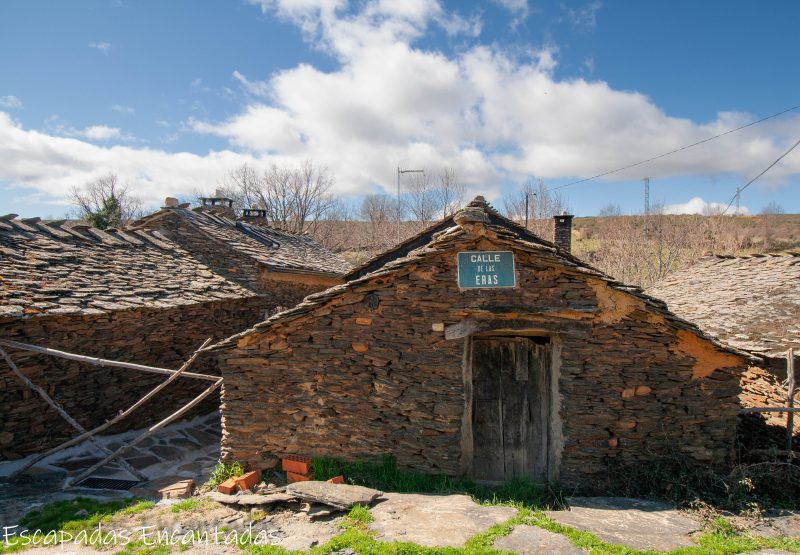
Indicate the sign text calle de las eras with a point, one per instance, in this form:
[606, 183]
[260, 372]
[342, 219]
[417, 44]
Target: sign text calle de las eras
[486, 269]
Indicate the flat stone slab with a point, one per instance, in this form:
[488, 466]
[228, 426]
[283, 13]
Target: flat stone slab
[340, 496]
[530, 540]
[637, 523]
[779, 523]
[250, 498]
[433, 520]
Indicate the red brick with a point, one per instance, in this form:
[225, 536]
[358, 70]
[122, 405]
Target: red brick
[294, 477]
[337, 480]
[298, 464]
[176, 490]
[228, 486]
[247, 481]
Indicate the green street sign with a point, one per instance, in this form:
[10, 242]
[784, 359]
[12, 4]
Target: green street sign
[486, 269]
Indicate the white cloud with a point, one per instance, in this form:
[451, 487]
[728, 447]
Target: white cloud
[518, 8]
[104, 47]
[54, 165]
[584, 17]
[699, 206]
[122, 109]
[487, 113]
[10, 101]
[100, 132]
[492, 116]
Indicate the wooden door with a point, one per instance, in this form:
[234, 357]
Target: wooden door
[510, 407]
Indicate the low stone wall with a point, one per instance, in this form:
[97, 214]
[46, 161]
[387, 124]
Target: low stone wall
[762, 388]
[349, 380]
[92, 395]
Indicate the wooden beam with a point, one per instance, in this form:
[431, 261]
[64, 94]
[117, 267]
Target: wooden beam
[153, 429]
[103, 362]
[64, 414]
[91, 433]
[769, 409]
[790, 399]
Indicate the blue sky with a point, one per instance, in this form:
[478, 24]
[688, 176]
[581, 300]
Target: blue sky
[172, 95]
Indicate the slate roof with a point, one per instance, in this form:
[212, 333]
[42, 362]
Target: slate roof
[508, 233]
[51, 269]
[423, 237]
[750, 302]
[275, 249]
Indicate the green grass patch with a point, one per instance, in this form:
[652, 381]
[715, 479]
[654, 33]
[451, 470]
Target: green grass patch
[385, 475]
[186, 505]
[222, 472]
[69, 515]
[360, 513]
[139, 547]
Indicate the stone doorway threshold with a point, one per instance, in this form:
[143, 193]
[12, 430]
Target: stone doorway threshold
[188, 449]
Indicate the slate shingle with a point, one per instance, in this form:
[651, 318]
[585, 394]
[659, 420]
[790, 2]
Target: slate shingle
[47, 270]
[750, 302]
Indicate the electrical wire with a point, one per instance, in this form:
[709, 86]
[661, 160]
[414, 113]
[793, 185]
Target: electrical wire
[781, 157]
[676, 150]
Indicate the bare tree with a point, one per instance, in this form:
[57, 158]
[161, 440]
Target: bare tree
[610, 211]
[451, 193]
[769, 215]
[105, 202]
[423, 200]
[379, 214]
[543, 204]
[296, 199]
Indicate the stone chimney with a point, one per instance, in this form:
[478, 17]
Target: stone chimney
[562, 231]
[219, 204]
[254, 215]
[171, 202]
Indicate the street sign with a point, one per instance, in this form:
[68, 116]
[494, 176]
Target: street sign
[486, 269]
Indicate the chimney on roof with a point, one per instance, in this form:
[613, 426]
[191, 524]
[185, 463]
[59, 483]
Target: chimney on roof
[218, 204]
[171, 202]
[254, 215]
[562, 231]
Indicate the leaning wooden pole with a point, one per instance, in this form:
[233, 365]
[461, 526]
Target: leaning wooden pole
[790, 399]
[91, 433]
[60, 410]
[101, 361]
[153, 429]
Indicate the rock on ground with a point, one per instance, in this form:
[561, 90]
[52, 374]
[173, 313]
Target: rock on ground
[530, 540]
[778, 523]
[341, 496]
[433, 520]
[637, 523]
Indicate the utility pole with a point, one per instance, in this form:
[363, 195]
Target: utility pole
[738, 193]
[527, 211]
[399, 172]
[646, 182]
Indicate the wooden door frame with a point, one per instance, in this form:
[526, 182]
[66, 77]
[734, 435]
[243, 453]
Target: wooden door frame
[555, 443]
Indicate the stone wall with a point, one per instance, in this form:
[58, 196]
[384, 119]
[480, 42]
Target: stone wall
[92, 395]
[762, 388]
[345, 380]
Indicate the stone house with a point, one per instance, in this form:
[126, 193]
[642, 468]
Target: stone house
[751, 303]
[478, 348]
[247, 250]
[133, 295]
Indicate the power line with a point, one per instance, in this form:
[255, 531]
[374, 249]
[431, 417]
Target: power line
[740, 189]
[676, 150]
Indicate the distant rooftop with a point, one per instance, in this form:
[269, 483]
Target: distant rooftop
[751, 303]
[49, 269]
[275, 249]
